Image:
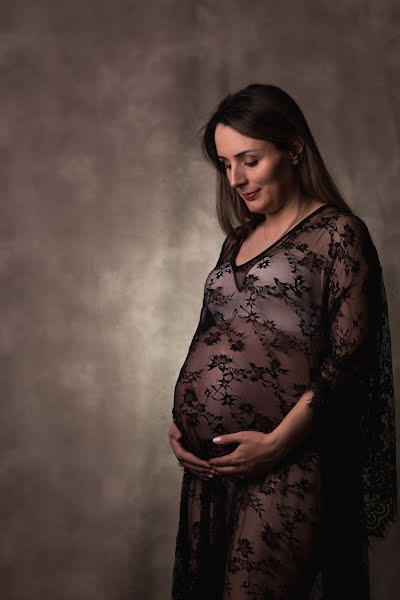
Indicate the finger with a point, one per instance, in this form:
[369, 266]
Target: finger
[224, 461]
[176, 431]
[194, 469]
[202, 476]
[234, 457]
[183, 454]
[229, 438]
[228, 470]
[174, 438]
[190, 459]
[198, 470]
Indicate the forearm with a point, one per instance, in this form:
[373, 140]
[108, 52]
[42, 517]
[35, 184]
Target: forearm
[296, 427]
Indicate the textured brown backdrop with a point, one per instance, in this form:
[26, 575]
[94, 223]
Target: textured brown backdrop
[106, 208]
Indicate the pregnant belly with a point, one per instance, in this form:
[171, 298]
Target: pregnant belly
[224, 387]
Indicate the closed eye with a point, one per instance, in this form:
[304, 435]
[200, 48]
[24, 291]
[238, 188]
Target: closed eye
[247, 164]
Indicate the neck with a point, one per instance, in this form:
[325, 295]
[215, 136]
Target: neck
[282, 214]
[276, 223]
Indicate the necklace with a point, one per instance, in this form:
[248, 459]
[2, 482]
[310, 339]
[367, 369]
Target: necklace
[286, 230]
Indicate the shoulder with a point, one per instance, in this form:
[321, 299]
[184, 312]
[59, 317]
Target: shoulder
[348, 232]
[226, 249]
[350, 222]
[351, 243]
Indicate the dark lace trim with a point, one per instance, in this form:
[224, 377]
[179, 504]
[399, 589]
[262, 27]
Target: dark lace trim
[371, 392]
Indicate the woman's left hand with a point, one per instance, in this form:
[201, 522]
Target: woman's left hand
[256, 454]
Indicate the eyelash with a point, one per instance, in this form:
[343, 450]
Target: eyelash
[249, 164]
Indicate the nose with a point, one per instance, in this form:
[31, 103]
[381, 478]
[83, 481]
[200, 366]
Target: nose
[237, 177]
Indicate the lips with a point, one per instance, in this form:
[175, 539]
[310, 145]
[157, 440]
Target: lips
[251, 195]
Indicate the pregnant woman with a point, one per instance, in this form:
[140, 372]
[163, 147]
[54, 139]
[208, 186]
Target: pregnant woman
[283, 415]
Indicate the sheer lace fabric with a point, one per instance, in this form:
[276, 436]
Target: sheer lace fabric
[308, 313]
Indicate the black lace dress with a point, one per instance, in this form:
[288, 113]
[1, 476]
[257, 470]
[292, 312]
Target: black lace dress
[307, 313]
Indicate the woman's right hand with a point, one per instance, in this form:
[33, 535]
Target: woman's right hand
[187, 460]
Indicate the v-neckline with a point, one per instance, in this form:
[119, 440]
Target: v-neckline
[264, 252]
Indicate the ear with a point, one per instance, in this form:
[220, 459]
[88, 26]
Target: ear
[297, 149]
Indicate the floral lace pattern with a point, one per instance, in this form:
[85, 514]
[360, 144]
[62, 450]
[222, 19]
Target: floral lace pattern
[308, 313]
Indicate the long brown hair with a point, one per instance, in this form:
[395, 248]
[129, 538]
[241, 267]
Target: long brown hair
[265, 112]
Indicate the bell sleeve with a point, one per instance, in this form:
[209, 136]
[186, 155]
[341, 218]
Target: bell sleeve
[353, 394]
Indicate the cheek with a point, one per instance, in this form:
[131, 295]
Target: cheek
[270, 173]
[265, 176]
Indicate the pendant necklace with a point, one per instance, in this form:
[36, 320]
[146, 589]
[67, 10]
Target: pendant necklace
[286, 230]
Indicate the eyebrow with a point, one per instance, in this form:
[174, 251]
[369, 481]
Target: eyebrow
[243, 152]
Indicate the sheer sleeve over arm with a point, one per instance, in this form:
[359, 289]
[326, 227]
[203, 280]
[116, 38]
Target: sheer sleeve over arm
[353, 394]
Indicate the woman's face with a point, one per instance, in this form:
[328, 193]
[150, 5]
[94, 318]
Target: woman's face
[252, 165]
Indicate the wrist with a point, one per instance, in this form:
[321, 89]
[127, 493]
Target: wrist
[277, 442]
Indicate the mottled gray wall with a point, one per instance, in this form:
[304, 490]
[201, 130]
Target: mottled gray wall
[107, 230]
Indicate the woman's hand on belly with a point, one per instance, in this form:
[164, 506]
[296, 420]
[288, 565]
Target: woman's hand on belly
[256, 454]
[186, 459]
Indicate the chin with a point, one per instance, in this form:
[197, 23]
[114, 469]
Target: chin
[257, 206]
